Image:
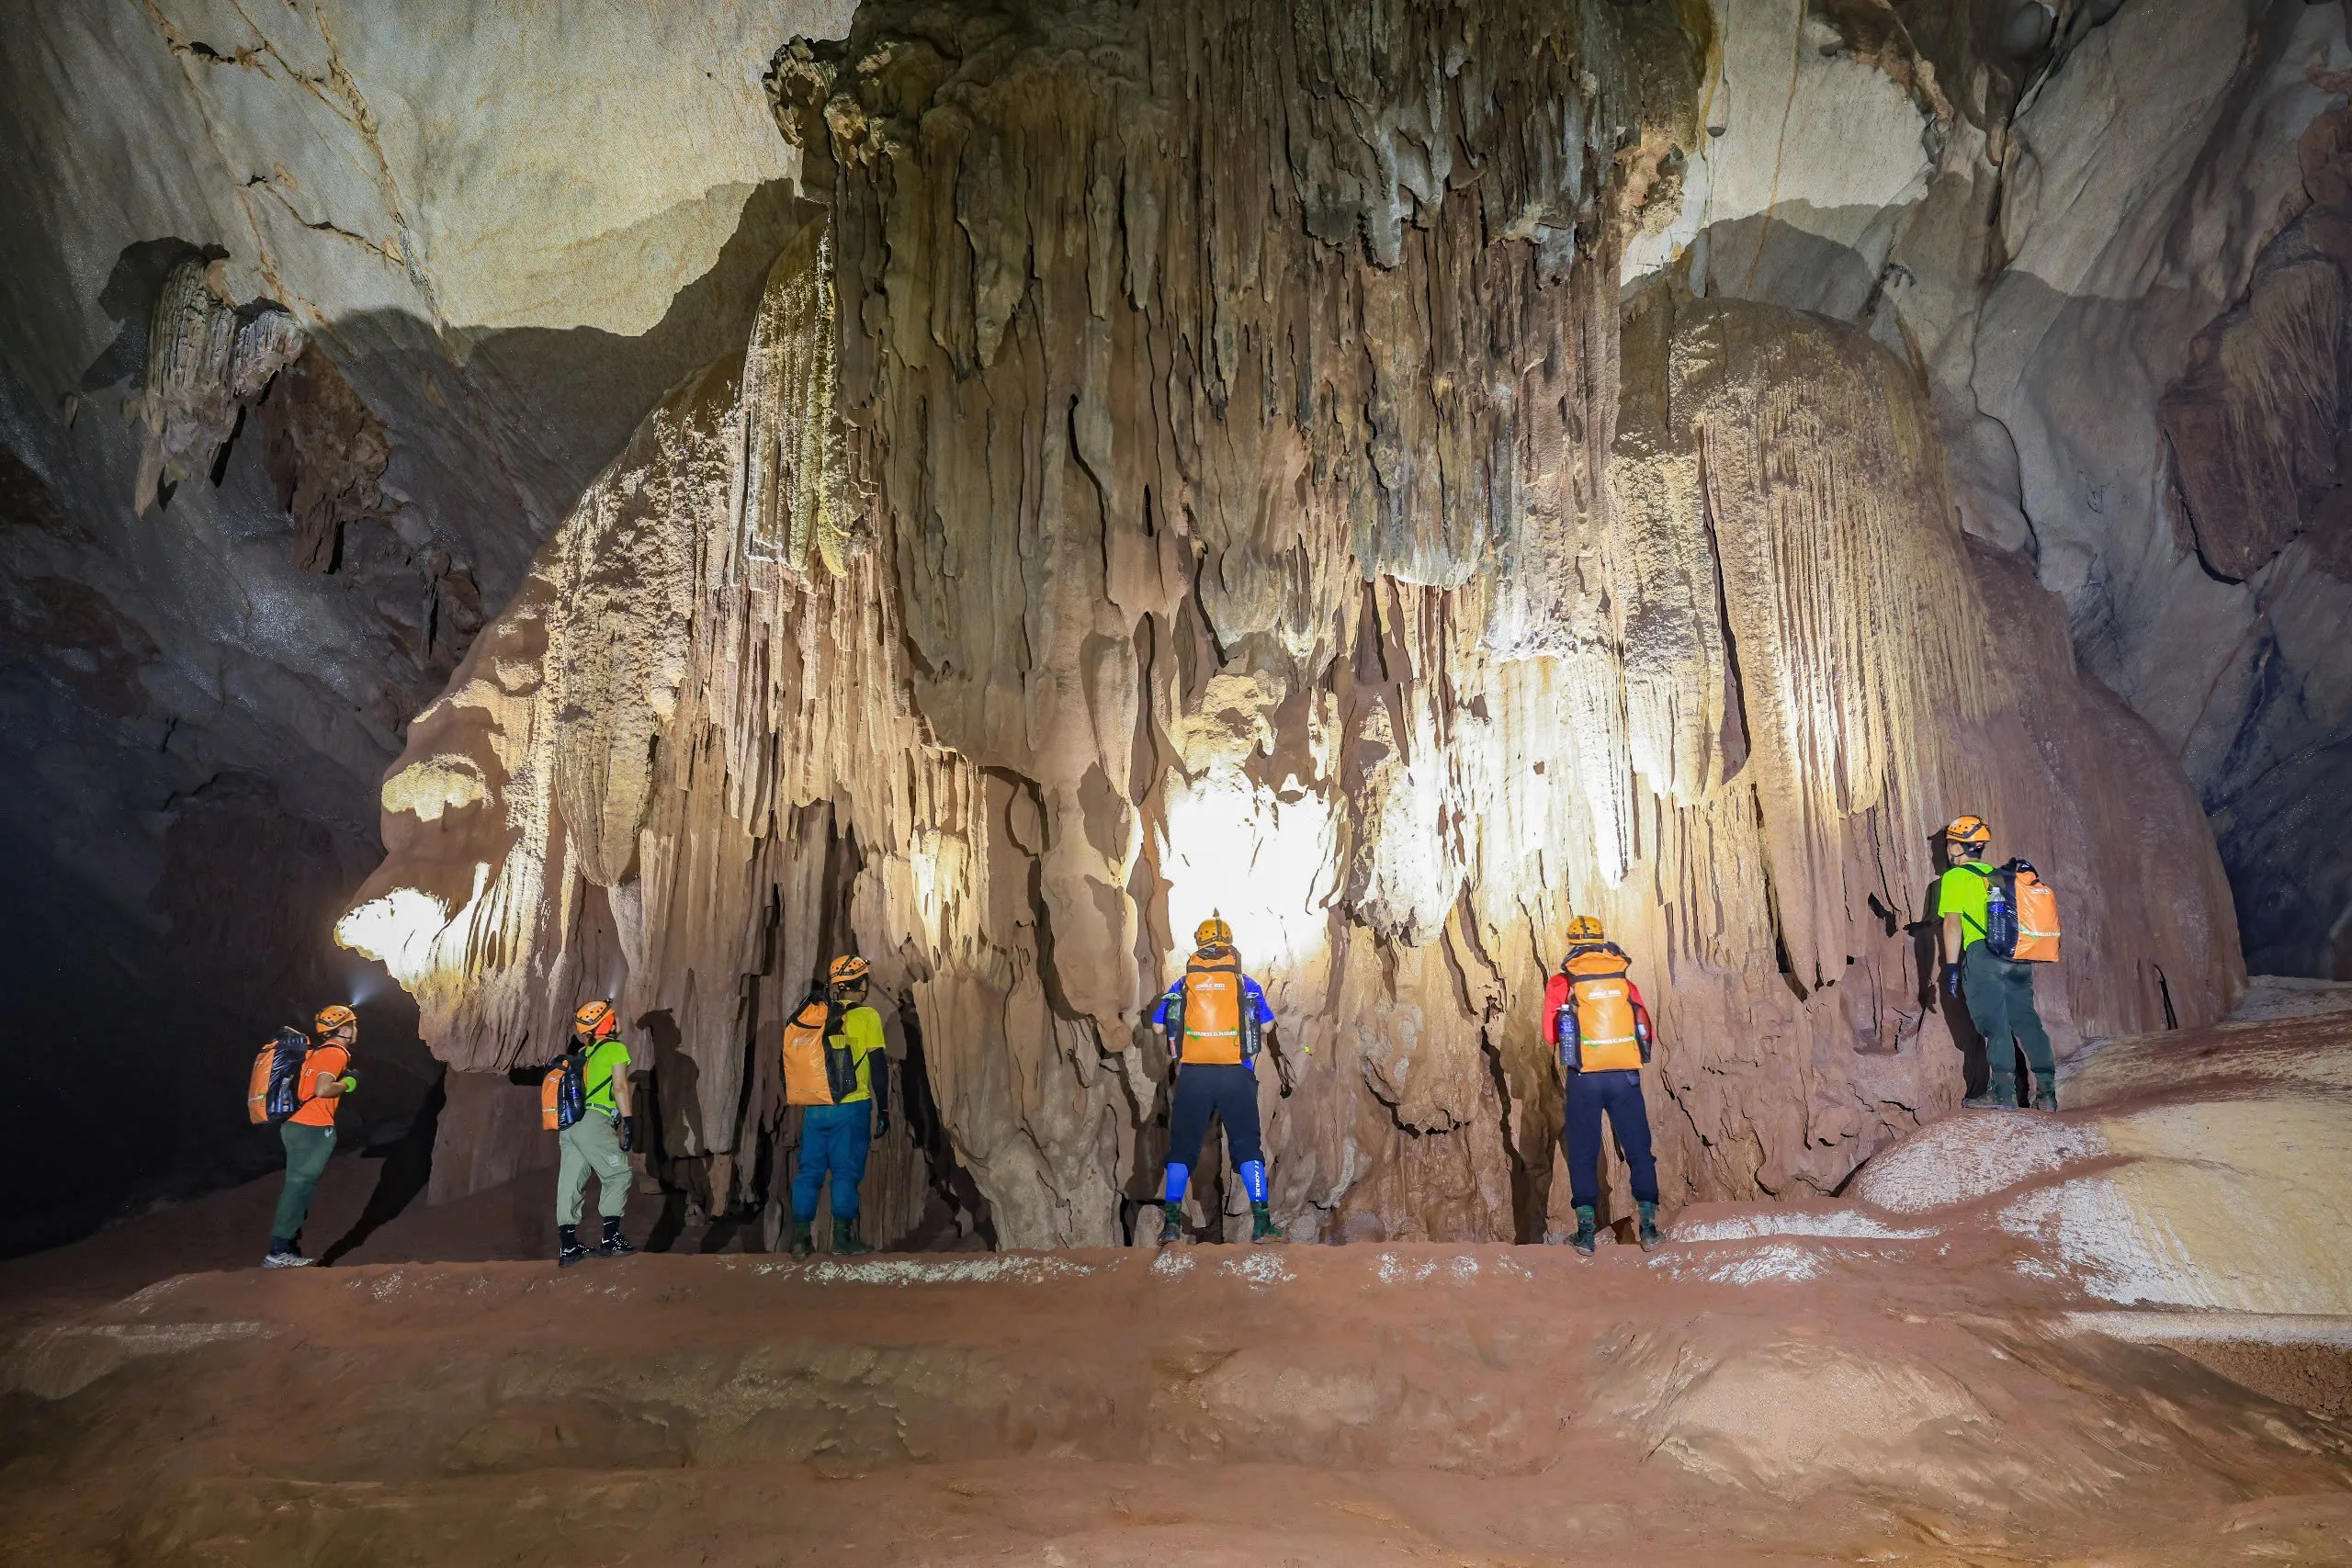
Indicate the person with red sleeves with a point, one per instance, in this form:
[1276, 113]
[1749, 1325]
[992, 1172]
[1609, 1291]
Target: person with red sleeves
[1594, 1013]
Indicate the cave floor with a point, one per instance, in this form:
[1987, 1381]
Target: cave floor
[1775, 1399]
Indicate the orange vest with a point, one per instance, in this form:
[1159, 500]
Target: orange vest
[1598, 980]
[1214, 1005]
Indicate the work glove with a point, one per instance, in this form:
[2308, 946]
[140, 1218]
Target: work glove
[628, 1125]
[350, 1082]
[881, 1126]
[1952, 981]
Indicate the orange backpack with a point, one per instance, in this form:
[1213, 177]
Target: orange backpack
[2033, 907]
[274, 1092]
[563, 1092]
[1600, 999]
[817, 1071]
[1216, 1024]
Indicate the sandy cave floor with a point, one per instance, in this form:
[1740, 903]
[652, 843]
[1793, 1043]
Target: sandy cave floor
[1776, 1398]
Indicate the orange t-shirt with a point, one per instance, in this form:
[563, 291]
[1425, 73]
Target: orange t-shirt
[326, 1061]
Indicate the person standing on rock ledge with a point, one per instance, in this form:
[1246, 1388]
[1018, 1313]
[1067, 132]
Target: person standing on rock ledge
[837, 1065]
[309, 1133]
[1603, 1030]
[597, 1144]
[1217, 1022]
[1998, 990]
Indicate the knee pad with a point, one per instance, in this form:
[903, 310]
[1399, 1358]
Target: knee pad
[1176, 1178]
[1253, 1179]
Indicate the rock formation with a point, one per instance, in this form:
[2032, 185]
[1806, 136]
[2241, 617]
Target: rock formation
[1198, 466]
[1199, 607]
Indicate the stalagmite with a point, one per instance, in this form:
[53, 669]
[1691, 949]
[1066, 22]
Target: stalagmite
[1198, 465]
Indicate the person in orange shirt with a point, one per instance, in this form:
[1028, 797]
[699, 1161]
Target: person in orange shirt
[309, 1133]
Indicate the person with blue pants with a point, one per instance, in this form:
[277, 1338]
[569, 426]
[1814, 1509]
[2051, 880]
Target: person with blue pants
[835, 1138]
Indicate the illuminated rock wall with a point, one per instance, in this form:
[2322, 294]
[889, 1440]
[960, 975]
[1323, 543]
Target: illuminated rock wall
[1188, 472]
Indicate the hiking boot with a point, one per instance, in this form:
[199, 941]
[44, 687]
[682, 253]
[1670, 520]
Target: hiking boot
[568, 1249]
[1261, 1225]
[1981, 1102]
[614, 1244]
[2001, 1094]
[2046, 1098]
[799, 1245]
[1587, 1234]
[845, 1242]
[1171, 1224]
[1651, 1238]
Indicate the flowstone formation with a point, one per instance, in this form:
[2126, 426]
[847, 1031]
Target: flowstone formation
[1199, 463]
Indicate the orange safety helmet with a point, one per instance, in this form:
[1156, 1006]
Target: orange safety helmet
[1586, 927]
[596, 1020]
[334, 1017]
[1212, 932]
[848, 970]
[1971, 830]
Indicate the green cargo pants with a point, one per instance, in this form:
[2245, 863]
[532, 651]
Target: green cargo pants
[591, 1144]
[307, 1149]
[2000, 1004]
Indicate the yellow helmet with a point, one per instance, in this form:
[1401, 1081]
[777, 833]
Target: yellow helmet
[335, 1017]
[595, 1019]
[1212, 932]
[1586, 927]
[1969, 830]
[848, 970]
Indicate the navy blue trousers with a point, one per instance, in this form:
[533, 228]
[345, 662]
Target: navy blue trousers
[1232, 1093]
[1619, 1094]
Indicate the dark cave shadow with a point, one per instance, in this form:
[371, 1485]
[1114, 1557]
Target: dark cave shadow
[541, 411]
[129, 299]
[408, 1169]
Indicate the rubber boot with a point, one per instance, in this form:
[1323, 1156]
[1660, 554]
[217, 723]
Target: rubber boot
[845, 1242]
[1261, 1225]
[2046, 1097]
[1587, 1234]
[801, 1247]
[614, 1244]
[1651, 1237]
[568, 1249]
[1171, 1224]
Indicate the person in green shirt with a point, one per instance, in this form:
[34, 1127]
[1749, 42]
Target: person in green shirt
[1999, 991]
[835, 1138]
[598, 1142]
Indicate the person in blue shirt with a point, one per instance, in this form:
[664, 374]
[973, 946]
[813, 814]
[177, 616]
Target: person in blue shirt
[1218, 1023]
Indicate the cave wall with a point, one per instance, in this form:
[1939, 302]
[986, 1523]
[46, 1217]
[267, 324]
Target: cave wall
[1200, 463]
[2107, 233]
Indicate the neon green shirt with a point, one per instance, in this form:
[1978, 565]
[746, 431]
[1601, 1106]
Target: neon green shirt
[604, 1059]
[1965, 893]
[862, 1036]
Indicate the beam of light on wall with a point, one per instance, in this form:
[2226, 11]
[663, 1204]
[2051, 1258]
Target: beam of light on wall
[400, 931]
[1238, 849]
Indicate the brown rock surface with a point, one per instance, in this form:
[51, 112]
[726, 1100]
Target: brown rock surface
[1097, 531]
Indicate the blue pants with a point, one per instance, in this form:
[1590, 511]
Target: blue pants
[1619, 1094]
[833, 1138]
